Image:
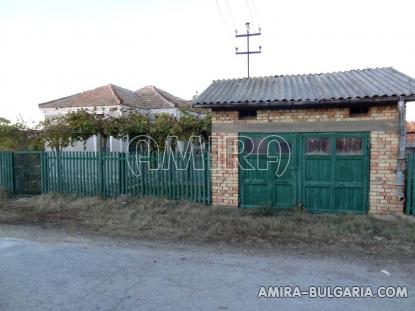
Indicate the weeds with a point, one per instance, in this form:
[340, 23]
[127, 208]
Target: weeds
[160, 219]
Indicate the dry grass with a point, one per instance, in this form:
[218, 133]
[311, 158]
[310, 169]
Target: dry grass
[158, 219]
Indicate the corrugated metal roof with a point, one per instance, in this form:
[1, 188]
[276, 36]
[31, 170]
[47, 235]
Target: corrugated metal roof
[308, 89]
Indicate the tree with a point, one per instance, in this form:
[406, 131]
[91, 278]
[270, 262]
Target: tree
[192, 125]
[164, 125]
[85, 124]
[205, 130]
[187, 125]
[56, 133]
[130, 124]
[65, 130]
[17, 136]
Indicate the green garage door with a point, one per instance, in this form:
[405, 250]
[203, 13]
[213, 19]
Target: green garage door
[335, 172]
[325, 172]
[268, 170]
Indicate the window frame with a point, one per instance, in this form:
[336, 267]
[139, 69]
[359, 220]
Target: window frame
[349, 137]
[328, 153]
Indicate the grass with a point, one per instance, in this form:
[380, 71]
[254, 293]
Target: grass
[157, 219]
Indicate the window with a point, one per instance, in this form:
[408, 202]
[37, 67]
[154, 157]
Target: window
[349, 145]
[320, 145]
[247, 114]
[358, 111]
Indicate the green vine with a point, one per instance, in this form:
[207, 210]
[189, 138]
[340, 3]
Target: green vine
[65, 130]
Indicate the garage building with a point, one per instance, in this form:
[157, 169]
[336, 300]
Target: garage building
[335, 141]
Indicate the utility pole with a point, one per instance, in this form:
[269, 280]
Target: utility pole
[248, 35]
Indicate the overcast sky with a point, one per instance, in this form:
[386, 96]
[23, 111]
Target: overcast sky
[50, 49]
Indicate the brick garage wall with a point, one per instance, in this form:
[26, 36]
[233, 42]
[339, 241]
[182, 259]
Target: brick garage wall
[325, 114]
[225, 184]
[383, 196]
[383, 156]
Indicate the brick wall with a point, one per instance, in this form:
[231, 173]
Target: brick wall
[383, 160]
[225, 186]
[383, 196]
[325, 114]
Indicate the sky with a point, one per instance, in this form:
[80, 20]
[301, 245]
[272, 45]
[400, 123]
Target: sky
[51, 49]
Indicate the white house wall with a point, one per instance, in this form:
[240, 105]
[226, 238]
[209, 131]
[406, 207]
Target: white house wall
[172, 111]
[55, 112]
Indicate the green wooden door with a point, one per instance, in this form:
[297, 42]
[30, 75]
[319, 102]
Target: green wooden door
[283, 170]
[325, 172]
[267, 170]
[334, 172]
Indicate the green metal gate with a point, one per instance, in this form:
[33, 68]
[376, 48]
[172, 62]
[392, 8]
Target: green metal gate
[324, 172]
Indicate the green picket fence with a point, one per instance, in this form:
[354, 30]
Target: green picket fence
[111, 174]
[6, 171]
[170, 177]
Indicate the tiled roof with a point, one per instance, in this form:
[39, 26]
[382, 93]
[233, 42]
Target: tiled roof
[107, 95]
[148, 97]
[320, 88]
[152, 97]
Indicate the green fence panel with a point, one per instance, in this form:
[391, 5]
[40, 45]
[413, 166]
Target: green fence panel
[111, 174]
[169, 176]
[6, 171]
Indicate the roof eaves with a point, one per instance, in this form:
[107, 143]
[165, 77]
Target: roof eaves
[55, 100]
[303, 103]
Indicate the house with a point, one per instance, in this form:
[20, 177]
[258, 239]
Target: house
[335, 142]
[112, 99]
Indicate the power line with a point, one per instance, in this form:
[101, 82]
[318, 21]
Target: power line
[221, 14]
[255, 13]
[248, 34]
[250, 11]
[230, 13]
